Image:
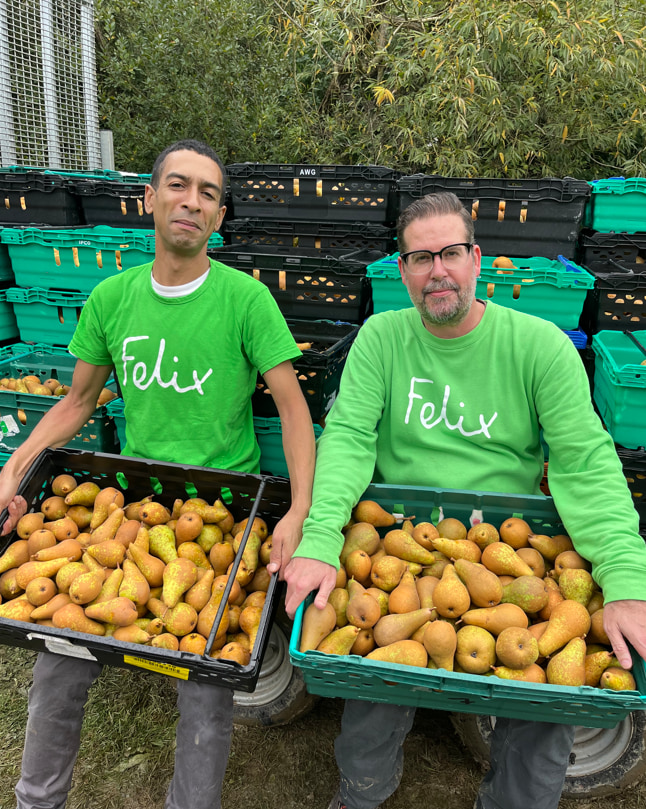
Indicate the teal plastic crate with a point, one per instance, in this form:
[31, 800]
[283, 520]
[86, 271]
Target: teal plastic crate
[78, 259]
[6, 271]
[45, 315]
[8, 324]
[620, 386]
[21, 412]
[269, 435]
[354, 677]
[618, 205]
[552, 290]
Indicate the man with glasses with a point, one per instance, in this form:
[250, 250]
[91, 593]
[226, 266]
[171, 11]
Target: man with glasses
[452, 394]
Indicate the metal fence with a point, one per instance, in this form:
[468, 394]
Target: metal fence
[48, 99]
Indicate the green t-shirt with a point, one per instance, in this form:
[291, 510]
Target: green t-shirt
[187, 366]
[465, 413]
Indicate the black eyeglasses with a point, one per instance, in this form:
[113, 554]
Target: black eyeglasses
[453, 257]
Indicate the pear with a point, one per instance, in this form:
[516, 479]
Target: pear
[179, 576]
[235, 651]
[617, 679]
[250, 558]
[597, 633]
[40, 590]
[220, 556]
[250, 623]
[67, 573]
[142, 539]
[189, 527]
[483, 534]
[29, 523]
[198, 595]
[45, 611]
[65, 528]
[528, 592]
[550, 547]
[193, 643]
[596, 602]
[386, 573]
[450, 597]
[363, 611]
[86, 587]
[516, 648]
[208, 613]
[515, 532]
[576, 584]
[261, 579]
[554, 597]
[33, 570]
[165, 641]
[424, 533]
[403, 652]
[358, 566]
[110, 586]
[53, 508]
[132, 510]
[394, 627]
[16, 554]
[154, 514]
[458, 548]
[364, 643]
[339, 641]
[404, 598]
[120, 611]
[381, 597]
[131, 634]
[568, 666]
[338, 599]
[127, 532]
[595, 664]
[18, 609]
[317, 624]
[502, 559]
[9, 587]
[62, 485]
[108, 553]
[440, 641]
[534, 559]
[162, 542]
[402, 545]
[72, 616]
[425, 586]
[181, 619]
[475, 650]
[134, 585]
[484, 586]
[82, 495]
[211, 534]
[210, 514]
[371, 512]
[495, 619]
[451, 528]
[568, 620]
[81, 515]
[569, 559]
[531, 674]
[192, 551]
[109, 527]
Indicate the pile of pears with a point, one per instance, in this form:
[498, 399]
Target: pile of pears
[485, 600]
[138, 572]
[30, 383]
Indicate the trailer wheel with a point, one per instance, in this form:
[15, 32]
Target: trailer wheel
[604, 761]
[280, 695]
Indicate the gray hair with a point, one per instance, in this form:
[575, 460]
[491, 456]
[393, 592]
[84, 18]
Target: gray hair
[440, 204]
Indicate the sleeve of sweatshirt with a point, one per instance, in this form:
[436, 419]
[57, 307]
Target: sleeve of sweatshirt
[587, 482]
[346, 450]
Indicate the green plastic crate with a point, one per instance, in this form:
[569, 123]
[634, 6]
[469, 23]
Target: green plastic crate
[354, 677]
[97, 435]
[6, 271]
[78, 259]
[552, 290]
[46, 316]
[269, 435]
[620, 386]
[618, 205]
[4, 457]
[8, 324]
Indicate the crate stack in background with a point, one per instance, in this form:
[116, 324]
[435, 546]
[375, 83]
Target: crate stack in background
[309, 233]
[613, 248]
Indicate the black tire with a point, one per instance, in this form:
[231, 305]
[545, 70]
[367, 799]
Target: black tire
[604, 761]
[280, 696]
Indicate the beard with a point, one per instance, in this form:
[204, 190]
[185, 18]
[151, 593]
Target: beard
[449, 311]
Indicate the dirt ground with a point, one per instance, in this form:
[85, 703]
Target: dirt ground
[126, 755]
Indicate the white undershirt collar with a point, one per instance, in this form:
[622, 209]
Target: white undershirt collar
[182, 289]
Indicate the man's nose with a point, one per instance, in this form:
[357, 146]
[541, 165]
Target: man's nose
[192, 197]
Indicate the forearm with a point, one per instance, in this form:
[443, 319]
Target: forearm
[300, 453]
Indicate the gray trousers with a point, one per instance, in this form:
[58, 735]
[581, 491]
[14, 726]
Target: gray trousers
[56, 704]
[528, 759]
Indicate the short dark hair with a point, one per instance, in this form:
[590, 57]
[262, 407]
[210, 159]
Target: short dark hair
[190, 145]
[440, 204]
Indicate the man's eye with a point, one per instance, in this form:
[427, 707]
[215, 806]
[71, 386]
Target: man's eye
[420, 258]
[452, 253]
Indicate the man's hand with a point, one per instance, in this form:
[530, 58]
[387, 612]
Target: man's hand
[16, 504]
[304, 575]
[285, 539]
[626, 620]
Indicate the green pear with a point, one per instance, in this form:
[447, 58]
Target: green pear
[161, 541]
[568, 666]
[576, 584]
[475, 650]
[361, 536]
[83, 495]
[569, 619]
[339, 641]
[527, 592]
[179, 576]
[617, 679]
[484, 586]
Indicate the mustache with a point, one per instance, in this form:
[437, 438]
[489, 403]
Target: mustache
[439, 287]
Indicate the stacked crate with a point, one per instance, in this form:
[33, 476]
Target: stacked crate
[309, 232]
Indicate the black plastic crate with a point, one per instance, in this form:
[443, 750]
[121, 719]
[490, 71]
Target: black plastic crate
[525, 218]
[311, 235]
[314, 192]
[634, 466]
[318, 370]
[613, 252]
[244, 494]
[617, 302]
[119, 204]
[306, 283]
[30, 197]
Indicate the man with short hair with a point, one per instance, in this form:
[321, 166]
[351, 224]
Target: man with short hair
[453, 394]
[186, 337]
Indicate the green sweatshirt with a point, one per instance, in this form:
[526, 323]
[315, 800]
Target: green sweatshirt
[465, 413]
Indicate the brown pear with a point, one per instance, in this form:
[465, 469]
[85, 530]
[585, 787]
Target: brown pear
[371, 512]
[596, 602]
[67, 573]
[127, 532]
[381, 597]
[475, 650]
[339, 641]
[33, 570]
[528, 592]
[53, 508]
[364, 643]
[119, 611]
[451, 597]
[179, 576]
[18, 609]
[424, 533]
[86, 587]
[501, 558]
[151, 566]
[358, 566]
[440, 641]
[568, 620]
[362, 611]
[165, 641]
[483, 534]
[338, 599]
[189, 527]
[516, 647]
[110, 586]
[81, 515]
[576, 584]
[207, 614]
[595, 664]
[69, 549]
[62, 485]
[192, 551]
[16, 554]
[134, 584]
[250, 559]
[198, 595]
[425, 586]
[568, 666]
[250, 618]
[404, 598]
[484, 586]
[154, 513]
[72, 616]
[181, 619]
[108, 553]
[361, 536]
[570, 559]
[597, 633]
[386, 572]
[45, 611]
[550, 547]
[29, 523]
[220, 556]
[40, 590]
[458, 549]
[394, 627]
[9, 587]
[317, 624]
[402, 545]
[65, 528]
[554, 597]
[495, 619]
[515, 532]
[534, 559]
[209, 514]
[403, 652]
[451, 528]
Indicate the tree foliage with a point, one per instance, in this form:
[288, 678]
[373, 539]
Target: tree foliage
[461, 88]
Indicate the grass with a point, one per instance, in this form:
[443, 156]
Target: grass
[127, 749]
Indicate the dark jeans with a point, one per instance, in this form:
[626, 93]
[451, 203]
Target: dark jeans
[528, 759]
[56, 704]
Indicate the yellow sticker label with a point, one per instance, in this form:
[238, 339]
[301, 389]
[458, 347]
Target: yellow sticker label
[160, 668]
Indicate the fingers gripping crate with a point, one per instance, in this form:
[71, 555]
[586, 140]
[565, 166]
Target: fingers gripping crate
[344, 236]
[306, 284]
[37, 197]
[313, 192]
[46, 316]
[118, 203]
[318, 370]
[245, 495]
[21, 412]
[528, 217]
[355, 677]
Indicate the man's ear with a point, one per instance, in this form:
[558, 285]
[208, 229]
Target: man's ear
[223, 210]
[477, 256]
[400, 266]
[149, 195]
